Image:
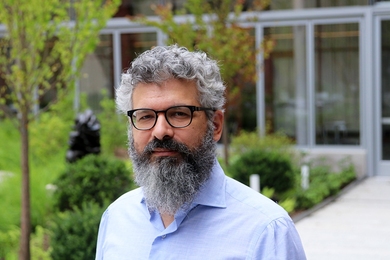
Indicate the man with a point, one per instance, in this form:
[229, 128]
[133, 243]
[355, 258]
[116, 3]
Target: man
[185, 208]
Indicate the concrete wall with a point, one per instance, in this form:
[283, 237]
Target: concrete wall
[335, 156]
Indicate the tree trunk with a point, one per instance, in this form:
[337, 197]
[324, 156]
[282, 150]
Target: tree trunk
[24, 250]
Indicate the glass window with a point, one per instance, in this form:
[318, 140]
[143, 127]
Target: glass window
[285, 5]
[337, 92]
[133, 44]
[97, 72]
[144, 7]
[136, 7]
[285, 82]
[241, 103]
[385, 61]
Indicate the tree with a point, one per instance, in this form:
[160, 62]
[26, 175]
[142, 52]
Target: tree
[215, 29]
[43, 50]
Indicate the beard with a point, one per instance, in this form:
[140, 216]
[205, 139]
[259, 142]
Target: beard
[170, 183]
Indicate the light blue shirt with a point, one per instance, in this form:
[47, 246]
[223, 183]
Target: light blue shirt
[227, 220]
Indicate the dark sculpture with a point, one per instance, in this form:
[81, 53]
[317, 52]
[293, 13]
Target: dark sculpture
[85, 137]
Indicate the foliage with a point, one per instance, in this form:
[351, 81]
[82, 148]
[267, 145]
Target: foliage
[227, 35]
[10, 217]
[74, 233]
[268, 192]
[37, 57]
[47, 164]
[9, 241]
[252, 153]
[288, 203]
[40, 248]
[10, 147]
[113, 127]
[50, 136]
[275, 169]
[48, 140]
[41, 198]
[50, 132]
[246, 141]
[323, 183]
[42, 56]
[10, 182]
[93, 178]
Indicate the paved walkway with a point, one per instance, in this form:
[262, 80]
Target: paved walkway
[356, 226]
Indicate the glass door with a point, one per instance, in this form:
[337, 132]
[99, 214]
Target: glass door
[285, 82]
[337, 84]
[384, 69]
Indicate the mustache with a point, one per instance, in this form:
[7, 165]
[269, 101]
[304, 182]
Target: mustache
[168, 144]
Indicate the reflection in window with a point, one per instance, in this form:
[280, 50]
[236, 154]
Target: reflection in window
[285, 82]
[337, 84]
[97, 72]
[133, 44]
[385, 62]
[285, 5]
[145, 7]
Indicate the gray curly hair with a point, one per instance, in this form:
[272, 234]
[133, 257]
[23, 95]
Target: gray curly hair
[167, 62]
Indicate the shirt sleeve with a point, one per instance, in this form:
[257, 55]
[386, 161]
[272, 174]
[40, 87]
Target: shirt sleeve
[101, 236]
[280, 241]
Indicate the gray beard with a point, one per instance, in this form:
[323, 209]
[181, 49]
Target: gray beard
[172, 182]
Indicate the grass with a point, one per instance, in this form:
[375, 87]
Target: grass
[42, 172]
[10, 184]
[9, 147]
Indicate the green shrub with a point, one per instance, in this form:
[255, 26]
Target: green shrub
[323, 183]
[49, 133]
[312, 196]
[247, 141]
[274, 168]
[40, 244]
[113, 127]
[287, 203]
[74, 233]
[48, 136]
[9, 242]
[91, 179]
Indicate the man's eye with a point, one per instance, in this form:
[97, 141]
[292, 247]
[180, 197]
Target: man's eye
[180, 114]
[145, 117]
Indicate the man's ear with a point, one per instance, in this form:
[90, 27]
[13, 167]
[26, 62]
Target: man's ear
[218, 124]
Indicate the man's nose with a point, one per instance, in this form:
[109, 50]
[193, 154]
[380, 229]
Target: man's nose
[162, 129]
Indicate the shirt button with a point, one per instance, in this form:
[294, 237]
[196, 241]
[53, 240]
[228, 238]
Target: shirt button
[163, 236]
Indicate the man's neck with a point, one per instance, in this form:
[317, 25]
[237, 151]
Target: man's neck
[167, 219]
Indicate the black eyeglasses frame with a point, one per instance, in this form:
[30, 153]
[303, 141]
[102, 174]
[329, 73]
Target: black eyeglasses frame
[192, 109]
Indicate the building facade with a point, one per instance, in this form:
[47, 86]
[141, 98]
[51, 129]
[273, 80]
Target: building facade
[326, 83]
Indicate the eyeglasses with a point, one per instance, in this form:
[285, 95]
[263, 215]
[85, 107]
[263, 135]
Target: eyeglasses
[177, 116]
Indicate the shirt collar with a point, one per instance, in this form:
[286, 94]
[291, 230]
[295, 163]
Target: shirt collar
[213, 191]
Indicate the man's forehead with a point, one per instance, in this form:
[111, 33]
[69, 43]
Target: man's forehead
[171, 92]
